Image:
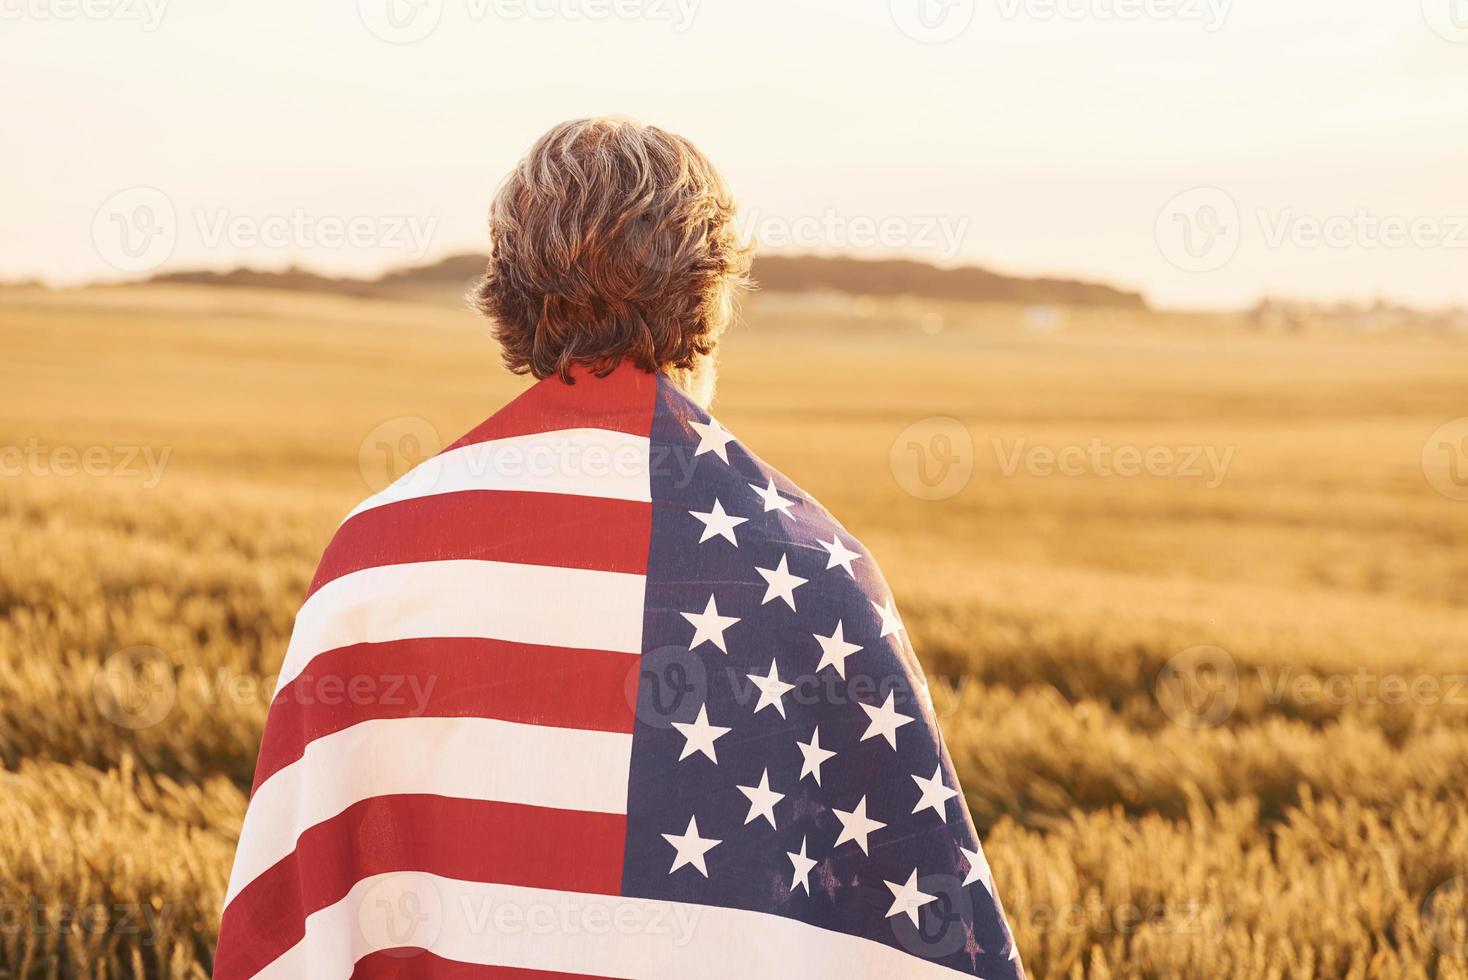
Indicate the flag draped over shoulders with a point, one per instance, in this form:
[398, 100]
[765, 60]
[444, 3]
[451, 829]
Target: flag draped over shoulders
[596, 692]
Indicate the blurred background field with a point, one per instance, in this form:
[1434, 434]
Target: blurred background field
[1170, 697]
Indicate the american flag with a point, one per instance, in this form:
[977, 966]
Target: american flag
[595, 692]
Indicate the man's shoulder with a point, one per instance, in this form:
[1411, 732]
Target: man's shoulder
[701, 467]
[562, 468]
[558, 455]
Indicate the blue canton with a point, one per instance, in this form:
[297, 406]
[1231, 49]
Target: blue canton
[785, 757]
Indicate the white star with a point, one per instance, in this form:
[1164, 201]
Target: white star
[835, 650]
[700, 736]
[717, 523]
[814, 756]
[691, 848]
[885, 720]
[855, 825]
[906, 899]
[771, 690]
[712, 438]
[781, 583]
[935, 794]
[771, 497]
[891, 623]
[709, 626]
[978, 868]
[762, 799]
[840, 554]
[803, 866]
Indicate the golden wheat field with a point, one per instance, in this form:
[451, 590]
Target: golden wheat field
[1211, 718]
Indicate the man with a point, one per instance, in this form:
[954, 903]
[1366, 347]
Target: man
[596, 692]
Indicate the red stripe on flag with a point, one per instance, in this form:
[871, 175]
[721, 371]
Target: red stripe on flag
[622, 401]
[527, 528]
[410, 962]
[448, 677]
[470, 840]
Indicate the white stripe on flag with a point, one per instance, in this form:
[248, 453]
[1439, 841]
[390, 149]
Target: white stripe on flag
[541, 604]
[571, 932]
[464, 758]
[585, 462]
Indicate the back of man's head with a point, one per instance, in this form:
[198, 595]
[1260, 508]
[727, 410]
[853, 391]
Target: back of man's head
[611, 241]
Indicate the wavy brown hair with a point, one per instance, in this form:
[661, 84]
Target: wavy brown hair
[610, 240]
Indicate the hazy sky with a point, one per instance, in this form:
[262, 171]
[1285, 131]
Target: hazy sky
[1320, 147]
